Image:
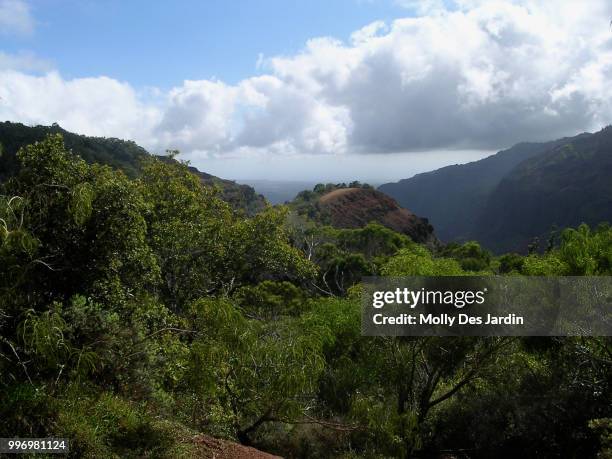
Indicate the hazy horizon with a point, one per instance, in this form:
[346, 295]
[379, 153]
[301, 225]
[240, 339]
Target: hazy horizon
[373, 168]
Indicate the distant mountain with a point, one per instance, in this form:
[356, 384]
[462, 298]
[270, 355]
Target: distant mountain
[356, 205]
[120, 154]
[511, 197]
[453, 197]
[568, 184]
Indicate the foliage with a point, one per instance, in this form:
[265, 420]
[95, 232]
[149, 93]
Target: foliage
[587, 252]
[137, 311]
[418, 261]
[235, 357]
[271, 300]
[471, 256]
[122, 155]
[101, 270]
[510, 263]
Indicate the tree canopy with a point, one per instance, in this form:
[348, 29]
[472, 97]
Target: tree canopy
[139, 311]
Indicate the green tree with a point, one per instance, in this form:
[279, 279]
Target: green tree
[88, 221]
[259, 372]
[471, 256]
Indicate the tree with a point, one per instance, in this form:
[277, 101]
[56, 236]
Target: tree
[413, 376]
[470, 255]
[189, 230]
[260, 372]
[587, 252]
[89, 226]
[417, 261]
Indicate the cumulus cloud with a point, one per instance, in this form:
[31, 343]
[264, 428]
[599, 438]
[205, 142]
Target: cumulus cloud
[280, 113]
[484, 75]
[95, 106]
[15, 17]
[198, 115]
[475, 75]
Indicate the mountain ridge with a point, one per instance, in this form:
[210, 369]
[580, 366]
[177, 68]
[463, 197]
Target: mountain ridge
[501, 200]
[565, 186]
[126, 155]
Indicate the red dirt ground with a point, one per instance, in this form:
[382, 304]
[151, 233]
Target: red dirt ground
[214, 448]
[356, 207]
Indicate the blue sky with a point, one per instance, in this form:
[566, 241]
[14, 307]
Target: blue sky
[374, 90]
[161, 43]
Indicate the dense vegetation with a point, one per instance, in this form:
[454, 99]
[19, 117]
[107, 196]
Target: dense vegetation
[138, 311]
[507, 200]
[125, 155]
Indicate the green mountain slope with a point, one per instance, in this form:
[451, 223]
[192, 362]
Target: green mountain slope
[453, 197]
[567, 185]
[509, 199]
[120, 154]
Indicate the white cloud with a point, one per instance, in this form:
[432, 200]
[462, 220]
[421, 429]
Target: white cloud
[276, 112]
[484, 75]
[477, 75]
[15, 17]
[198, 115]
[94, 106]
[369, 31]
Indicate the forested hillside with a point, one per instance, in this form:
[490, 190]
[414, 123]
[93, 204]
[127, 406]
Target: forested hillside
[453, 197]
[508, 199]
[139, 312]
[120, 154]
[566, 185]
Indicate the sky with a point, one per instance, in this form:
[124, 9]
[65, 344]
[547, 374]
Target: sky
[374, 90]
